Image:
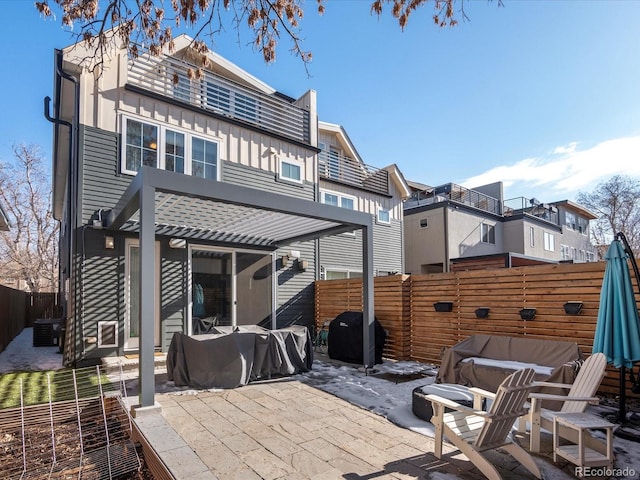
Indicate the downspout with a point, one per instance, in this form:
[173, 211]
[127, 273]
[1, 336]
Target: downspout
[72, 173]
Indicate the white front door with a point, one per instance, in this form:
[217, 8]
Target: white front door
[132, 294]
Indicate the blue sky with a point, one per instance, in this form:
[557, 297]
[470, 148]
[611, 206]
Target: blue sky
[542, 95]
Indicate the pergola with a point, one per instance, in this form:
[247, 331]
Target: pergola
[183, 206]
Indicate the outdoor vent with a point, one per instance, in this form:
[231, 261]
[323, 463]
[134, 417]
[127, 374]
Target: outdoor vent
[443, 306]
[572, 308]
[107, 334]
[482, 312]
[527, 313]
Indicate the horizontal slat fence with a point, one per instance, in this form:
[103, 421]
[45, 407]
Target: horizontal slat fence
[404, 305]
[391, 304]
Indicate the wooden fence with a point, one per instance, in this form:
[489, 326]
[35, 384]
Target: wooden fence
[20, 309]
[404, 305]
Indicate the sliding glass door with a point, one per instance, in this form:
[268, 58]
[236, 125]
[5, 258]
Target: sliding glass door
[229, 287]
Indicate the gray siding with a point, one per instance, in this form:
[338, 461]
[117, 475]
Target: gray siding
[345, 251]
[102, 184]
[102, 272]
[295, 299]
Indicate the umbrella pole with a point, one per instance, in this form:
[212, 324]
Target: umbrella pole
[622, 410]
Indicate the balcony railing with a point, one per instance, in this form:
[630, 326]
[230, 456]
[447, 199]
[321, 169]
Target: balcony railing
[456, 193]
[533, 207]
[169, 77]
[338, 168]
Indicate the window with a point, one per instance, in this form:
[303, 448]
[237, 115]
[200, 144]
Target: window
[384, 216]
[181, 86]
[488, 233]
[338, 200]
[570, 220]
[141, 145]
[565, 252]
[160, 147]
[591, 257]
[204, 158]
[549, 242]
[245, 107]
[174, 151]
[532, 236]
[424, 223]
[583, 225]
[338, 274]
[290, 171]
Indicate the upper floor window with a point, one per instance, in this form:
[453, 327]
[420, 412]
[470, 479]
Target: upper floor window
[141, 145]
[532, 236]
[583, 225]
[570, 220]
[162, 147]
[384, 216]
[291, 170]
[488, 233]
[338, 200]
[549, 242]
[424, 223]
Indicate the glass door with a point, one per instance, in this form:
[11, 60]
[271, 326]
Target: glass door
[132, 294]
[229, 287]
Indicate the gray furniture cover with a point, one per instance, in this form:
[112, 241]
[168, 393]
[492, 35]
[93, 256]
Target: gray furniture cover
[234, 356]
[563, 358]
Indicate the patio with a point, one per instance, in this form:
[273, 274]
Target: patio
[333, 422]
[292, 428]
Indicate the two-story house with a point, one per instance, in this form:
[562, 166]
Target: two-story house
[450, 227]
[187, 189]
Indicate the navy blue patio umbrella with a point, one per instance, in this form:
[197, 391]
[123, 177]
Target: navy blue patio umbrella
[618, 326]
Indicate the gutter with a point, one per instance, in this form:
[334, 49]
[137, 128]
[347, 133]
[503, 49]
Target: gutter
[72, 173]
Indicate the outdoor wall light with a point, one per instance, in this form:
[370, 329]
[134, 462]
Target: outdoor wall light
[527, 313]
[177, 243]
[302, 265]
[482, 312]
[285, 261]
[572, 308]
[109, 243]
[443, 306]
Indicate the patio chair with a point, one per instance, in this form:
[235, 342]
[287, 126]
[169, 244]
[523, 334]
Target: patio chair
[475, 431]
[581, 393]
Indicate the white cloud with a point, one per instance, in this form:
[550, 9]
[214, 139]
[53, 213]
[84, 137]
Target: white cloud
[566, 170]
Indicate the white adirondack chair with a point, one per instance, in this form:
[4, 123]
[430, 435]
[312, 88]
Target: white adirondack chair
[474, 431]
[581, 393]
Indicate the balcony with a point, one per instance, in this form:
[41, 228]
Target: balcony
[168, 76]
[458, 194]
[348, 171]
[532, 207]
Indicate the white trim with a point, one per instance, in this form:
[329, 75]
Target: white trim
[108, 323]
[379, 220]
[293, 162]
[348, 271]
[162, 128]
[340, 195]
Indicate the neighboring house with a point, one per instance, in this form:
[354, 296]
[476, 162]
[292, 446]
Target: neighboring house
[225, 176]
[450, 227]
[346, 181]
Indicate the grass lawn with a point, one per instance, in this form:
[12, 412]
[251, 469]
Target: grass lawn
[56, 385]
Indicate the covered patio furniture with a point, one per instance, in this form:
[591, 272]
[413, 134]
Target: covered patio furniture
[234, 356]
[475, 432]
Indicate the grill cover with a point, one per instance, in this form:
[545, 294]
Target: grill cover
[345, 338]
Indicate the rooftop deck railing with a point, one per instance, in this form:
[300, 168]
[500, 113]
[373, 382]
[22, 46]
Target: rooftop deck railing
[332, 166]
[456, 193]
[533, 207]
[169, 77]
